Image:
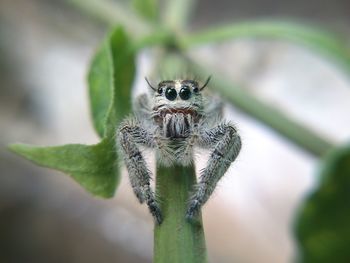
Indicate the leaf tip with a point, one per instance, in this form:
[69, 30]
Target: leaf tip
[16, 148]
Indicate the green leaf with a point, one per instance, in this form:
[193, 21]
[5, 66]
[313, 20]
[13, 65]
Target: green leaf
[100, 80]
[92, 166]
[110, 80]
[147, 8]
[319, 40]
[323, 227]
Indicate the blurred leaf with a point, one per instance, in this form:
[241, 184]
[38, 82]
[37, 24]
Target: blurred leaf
[176, 15]
[147, 8]
[110, 80]
[317, 39]
[323, 227]
[92, 166]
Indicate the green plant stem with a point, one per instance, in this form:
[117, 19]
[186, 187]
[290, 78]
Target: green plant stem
[318, 40]
[297, 133]
[177, 240]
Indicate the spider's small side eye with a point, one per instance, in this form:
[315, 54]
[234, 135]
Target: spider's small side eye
[160, 90]
[195, 89]
[170, 93]
[185, 93]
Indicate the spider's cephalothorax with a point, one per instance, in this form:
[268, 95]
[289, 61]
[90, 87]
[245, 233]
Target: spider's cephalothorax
[177, 107]
[176, 118]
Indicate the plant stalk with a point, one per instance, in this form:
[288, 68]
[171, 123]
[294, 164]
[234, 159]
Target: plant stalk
[318, 40]
[177, 240]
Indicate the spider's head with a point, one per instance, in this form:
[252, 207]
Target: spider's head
[178, 95]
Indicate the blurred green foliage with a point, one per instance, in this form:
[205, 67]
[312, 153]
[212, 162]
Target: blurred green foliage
[323, 226]
[148, 9]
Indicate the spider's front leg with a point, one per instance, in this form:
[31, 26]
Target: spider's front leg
[130, 135]
[226, 145]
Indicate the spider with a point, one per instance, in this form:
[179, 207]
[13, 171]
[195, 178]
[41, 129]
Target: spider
[175, 118]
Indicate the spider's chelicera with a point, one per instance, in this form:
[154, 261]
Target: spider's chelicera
[175, 118]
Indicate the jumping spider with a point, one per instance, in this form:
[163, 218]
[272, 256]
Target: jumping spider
[175, 119]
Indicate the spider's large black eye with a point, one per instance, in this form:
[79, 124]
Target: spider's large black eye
[185, 93]
[170, 93]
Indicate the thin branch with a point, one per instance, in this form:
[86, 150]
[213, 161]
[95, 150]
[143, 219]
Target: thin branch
[333, 46]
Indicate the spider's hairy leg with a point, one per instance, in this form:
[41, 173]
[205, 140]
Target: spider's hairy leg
[226, 145]
[131, 134]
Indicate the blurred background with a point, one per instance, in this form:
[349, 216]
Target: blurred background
[45, 49]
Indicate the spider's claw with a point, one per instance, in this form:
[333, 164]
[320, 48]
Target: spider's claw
[140, 196]
[193, 209]
[155, 211]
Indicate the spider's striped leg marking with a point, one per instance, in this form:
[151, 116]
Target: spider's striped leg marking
[130, 135]
[226, 145]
